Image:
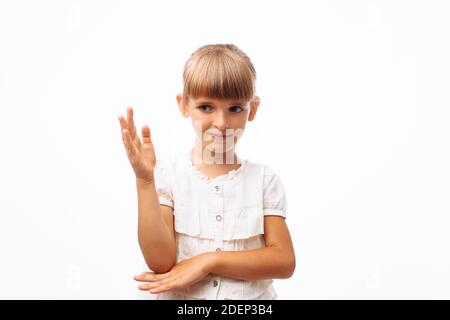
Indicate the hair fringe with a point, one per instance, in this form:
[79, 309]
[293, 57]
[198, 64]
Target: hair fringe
[221, 71]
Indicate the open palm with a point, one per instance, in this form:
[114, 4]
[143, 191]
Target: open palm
[140, 154]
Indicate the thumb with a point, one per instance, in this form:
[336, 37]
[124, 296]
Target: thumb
[146, 137]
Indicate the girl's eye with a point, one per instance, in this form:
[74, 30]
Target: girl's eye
[236, 109]
[204, 107]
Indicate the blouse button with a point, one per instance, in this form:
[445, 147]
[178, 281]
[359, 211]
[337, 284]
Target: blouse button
[217, 188]
[215, 283]
[218, 217]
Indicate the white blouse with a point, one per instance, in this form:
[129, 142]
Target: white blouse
[224, 213]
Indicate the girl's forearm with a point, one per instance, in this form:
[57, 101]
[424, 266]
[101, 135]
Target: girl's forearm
[256, 264]
[155, 240]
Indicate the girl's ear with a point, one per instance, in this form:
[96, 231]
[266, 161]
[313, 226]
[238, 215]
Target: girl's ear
[254, 104]
[182, 106]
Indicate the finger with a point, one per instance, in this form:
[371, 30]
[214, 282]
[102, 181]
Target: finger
[123, 122]
[125, 139]
[131, 126]
[131, 149]
[151, 276]
[166, 283]
[146, 135]
[143, 275]
[160, 289]
[148, 286]
[146, 272]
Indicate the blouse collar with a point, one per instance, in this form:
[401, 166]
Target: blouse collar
[227, 176]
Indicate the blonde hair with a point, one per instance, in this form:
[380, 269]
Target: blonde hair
[221, 71]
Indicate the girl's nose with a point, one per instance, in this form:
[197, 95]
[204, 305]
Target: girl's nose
[220, 122]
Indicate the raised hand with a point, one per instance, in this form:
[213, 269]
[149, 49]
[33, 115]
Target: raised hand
[141, 154]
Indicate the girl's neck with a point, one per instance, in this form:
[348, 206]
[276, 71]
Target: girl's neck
[214, 170]
[210, 160]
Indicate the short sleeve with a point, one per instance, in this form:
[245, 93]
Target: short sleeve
[274, 195]
[163, 182]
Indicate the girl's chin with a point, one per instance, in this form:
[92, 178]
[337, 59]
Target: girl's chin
[219, 140]
[219, 147]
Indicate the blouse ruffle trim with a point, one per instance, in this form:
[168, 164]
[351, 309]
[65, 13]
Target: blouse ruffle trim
[228, 176]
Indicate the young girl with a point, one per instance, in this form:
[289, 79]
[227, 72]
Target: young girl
[211, 225]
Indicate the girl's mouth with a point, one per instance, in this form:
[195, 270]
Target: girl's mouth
[220, 137]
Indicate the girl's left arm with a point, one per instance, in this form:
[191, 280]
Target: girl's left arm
[275, 261]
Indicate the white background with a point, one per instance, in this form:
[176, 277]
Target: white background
[354, 117]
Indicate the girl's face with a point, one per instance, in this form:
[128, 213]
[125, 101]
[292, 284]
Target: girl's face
[218, 123]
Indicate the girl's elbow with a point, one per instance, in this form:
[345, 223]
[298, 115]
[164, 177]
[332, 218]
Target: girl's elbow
[288, 269]
[160, 268]
[161, 265]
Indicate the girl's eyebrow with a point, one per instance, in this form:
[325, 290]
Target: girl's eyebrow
[209, 102]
